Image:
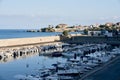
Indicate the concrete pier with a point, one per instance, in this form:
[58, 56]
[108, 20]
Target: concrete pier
[27, 41]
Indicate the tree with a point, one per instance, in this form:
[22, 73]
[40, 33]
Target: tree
[43, 29]
[65, 33]
[85, 31]
[47, 29]
[102, 26]
[57, 26]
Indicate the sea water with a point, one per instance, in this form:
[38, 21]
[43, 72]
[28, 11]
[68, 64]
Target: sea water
[26, 66]
[21, 33]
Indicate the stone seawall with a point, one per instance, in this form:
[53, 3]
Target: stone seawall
[92, 39]
[73, 39]
[27, 41]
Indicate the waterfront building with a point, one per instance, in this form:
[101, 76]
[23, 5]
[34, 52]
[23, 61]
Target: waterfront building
[62, 25]
[118, 23]
[109, 24]
[94, 33]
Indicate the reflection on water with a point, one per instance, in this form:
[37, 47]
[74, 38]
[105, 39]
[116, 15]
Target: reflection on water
[10, 54]
[26, 66]
[15, 55]
[24, 62]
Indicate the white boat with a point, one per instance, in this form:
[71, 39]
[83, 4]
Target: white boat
[91, 64]
[115, 51]
[69, 72]
[68, 54]
[52, 77]
[65, 78]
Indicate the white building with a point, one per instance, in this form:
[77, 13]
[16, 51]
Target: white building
[94, 33]
[108, 34]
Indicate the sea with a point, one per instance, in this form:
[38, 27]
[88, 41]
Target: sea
[22, 33]
[26, 66]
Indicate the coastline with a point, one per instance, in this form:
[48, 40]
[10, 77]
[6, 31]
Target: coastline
[85, 77]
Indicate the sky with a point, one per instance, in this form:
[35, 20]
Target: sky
[35, 14]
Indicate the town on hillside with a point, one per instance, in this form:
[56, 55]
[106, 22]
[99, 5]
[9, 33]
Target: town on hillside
[108, 29]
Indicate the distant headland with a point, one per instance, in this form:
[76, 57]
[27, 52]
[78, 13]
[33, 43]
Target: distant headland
[109, 26]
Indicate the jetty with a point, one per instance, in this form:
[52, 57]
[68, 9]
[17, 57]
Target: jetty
[27, 41]
[72, 39]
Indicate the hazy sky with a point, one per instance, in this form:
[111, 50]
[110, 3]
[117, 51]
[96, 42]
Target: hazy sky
[41, 13]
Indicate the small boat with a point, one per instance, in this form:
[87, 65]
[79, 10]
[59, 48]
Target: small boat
[44, 72]
[69, 72]
[56, 54]
[70, 54]
[88, 68]
[52, 77]
[65, 78]
[90, 64]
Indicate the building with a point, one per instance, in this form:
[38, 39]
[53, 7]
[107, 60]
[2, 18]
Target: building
[94, 33]
[62, 25]
[81, 28]
[108, 34]
[109, 24]
[118, 23]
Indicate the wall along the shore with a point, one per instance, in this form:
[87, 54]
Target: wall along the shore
[27, 41]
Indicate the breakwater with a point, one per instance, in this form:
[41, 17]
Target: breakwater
[27, 41]
[80, 39]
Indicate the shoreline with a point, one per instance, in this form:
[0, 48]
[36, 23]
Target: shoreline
[85, 76]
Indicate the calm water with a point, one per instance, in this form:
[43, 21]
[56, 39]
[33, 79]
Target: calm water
[9, 70]
[6, 34]
[21, 33]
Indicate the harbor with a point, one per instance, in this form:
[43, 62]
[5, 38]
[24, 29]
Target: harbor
[77, 67]
[70, 61]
